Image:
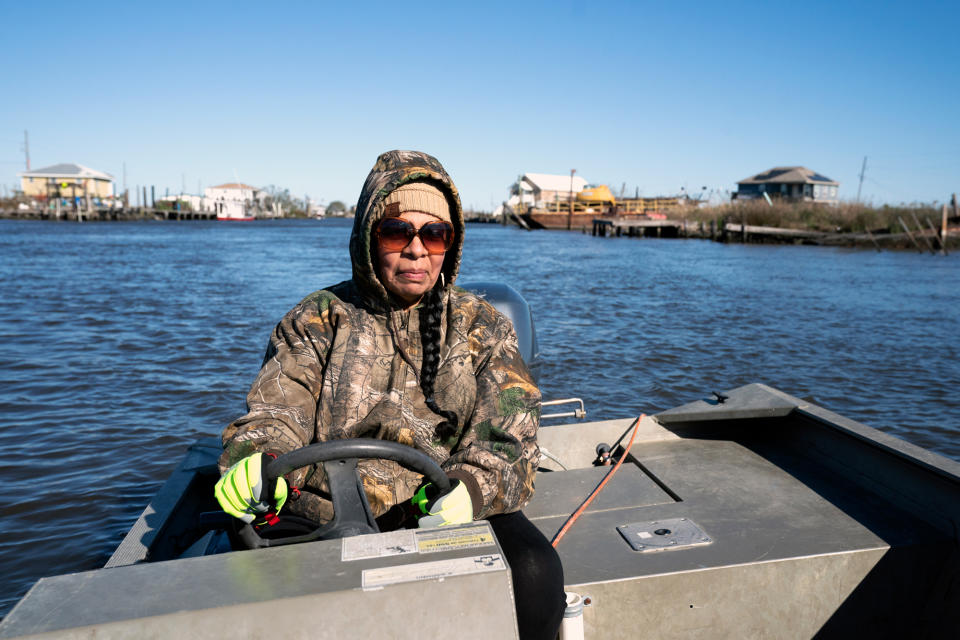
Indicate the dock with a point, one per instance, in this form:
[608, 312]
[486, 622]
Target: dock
[723, 231]
[579, 215]
[105, 214]
[635, 227]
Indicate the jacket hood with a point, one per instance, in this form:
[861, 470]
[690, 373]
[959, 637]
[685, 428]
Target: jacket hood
[391, 170]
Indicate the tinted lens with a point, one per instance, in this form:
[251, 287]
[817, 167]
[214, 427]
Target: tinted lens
[436, 236]
[394, 234]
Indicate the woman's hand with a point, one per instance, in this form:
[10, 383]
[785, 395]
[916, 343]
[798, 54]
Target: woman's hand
[439, 510]
[245, 493]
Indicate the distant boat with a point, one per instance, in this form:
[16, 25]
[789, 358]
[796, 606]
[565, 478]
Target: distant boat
[233, 210]
[234, 201]
[234, 217]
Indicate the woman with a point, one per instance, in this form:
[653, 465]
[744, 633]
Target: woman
[397, 353]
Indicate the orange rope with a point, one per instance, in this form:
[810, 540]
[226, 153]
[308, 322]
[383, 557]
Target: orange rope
[576, 514]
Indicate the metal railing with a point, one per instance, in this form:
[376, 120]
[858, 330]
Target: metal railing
[579, 413]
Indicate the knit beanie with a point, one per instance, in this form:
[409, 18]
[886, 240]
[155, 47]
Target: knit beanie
[417, 196]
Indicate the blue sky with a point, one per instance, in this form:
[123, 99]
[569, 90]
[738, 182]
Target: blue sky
[305, 95]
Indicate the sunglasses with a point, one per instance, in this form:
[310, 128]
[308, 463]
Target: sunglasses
[394, 234]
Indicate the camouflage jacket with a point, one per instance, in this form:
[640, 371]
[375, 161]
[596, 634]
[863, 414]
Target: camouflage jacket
[332, 370]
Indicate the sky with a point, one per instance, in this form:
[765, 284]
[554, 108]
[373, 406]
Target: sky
[647, 97]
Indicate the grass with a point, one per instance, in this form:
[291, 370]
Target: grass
[845, 217]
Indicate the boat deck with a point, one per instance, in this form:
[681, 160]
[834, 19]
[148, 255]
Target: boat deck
[794, 542]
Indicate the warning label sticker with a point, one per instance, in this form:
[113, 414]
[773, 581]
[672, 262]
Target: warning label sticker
[442, 539]
[378, 545]
[395, 543]
[438, 570]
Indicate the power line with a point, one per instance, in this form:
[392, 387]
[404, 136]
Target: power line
[863, 170]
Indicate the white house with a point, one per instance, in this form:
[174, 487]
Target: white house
[542, 190]
[235, 200]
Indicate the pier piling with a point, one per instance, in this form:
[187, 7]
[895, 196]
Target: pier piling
[909, 233]
[923, 233]
[943, 228]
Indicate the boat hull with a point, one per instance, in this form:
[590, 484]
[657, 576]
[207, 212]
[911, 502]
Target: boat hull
[806, 524]
[578, 221]
[564, 221]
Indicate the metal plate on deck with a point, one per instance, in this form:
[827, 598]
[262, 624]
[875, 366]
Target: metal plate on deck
[664, 535]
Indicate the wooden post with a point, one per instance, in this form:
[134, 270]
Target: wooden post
[909, 233]
[874, 240]
[922, 233]
[939, 239]
[943, 228]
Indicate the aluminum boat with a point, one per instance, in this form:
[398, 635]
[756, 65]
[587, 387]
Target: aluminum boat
[743, 514]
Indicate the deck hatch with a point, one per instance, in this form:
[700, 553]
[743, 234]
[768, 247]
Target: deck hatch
[664, 535]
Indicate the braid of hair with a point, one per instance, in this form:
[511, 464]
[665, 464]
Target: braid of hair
[431, 315]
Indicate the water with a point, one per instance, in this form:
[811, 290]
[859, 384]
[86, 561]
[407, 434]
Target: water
[122, 343]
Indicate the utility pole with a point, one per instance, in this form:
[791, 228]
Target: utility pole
[863, 170]
[26, 148]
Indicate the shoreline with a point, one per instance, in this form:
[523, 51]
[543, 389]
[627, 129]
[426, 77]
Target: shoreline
[923, 240]
[700, 224]
[106, 215]
[919, 227]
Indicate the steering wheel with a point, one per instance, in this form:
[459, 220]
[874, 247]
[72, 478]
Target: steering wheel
[351, 511]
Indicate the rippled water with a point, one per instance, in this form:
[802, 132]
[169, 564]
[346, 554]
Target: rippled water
[122, 343]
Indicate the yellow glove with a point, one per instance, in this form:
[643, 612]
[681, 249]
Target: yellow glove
[439, 510]
[244, 492]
